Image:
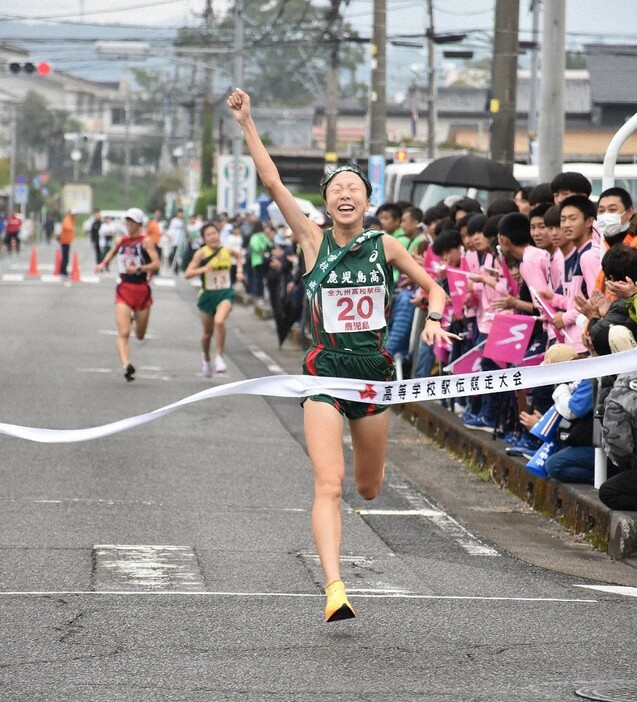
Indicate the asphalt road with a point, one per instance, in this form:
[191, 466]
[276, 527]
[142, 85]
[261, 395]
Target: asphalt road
[174, 561]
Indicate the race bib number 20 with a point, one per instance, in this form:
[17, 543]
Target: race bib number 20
[353, 309]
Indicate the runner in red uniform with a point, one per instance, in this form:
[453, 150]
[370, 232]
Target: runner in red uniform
[136, 259]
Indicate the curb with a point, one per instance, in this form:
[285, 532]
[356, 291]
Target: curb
[576, 507]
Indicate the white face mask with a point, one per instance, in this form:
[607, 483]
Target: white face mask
[610, 224]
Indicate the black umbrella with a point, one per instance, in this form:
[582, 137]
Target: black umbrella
[469, 171]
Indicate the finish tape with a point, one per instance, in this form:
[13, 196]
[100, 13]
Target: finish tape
[375, 392]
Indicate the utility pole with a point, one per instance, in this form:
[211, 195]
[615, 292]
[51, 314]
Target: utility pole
[551, 121]
[533, 82]
[127, 144]
[378, 96]
[377, 104]
[331, 101]
[12, 157]
[237, 139]
[504, 81]
[431, 87]
[207, 117]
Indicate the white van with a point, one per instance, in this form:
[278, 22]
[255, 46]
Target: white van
[625, 175]
[399, 184]
[398, 180]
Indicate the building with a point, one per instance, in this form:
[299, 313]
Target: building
[598, 100]
[110, 122]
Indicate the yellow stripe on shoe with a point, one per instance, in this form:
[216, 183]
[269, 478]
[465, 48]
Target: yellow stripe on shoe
[338, 606]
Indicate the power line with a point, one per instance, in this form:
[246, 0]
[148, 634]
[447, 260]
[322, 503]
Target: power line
[105, 11]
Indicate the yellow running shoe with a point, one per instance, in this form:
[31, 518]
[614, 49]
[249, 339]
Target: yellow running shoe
[338, 606]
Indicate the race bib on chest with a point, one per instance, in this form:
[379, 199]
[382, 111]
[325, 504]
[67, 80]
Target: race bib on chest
[128, 256]
[217, 280]
[353, 309]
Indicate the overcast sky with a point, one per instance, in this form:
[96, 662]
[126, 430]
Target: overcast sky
[587, 21]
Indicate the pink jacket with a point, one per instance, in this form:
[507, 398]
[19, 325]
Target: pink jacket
[484, 294]
[534, 268]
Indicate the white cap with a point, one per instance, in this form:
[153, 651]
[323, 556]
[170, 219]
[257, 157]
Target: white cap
[135, 214]
[620, 338]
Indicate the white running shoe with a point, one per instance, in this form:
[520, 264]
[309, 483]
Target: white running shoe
[206, 368]
[220, 365]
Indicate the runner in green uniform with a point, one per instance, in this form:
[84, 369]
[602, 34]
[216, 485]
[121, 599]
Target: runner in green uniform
[348, 321]
[349, 285]
[213, 262]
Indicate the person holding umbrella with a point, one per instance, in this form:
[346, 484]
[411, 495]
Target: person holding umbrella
[349, 285]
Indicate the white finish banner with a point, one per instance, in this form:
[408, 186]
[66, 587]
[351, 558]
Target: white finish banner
[375, 392]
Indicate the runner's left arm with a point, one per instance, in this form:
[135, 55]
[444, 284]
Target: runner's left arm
[154, 265]
[398, 256]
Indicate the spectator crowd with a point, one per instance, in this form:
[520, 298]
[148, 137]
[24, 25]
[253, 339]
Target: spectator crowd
[553, 270]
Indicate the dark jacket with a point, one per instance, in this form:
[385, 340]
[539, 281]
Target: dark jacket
[598, 328]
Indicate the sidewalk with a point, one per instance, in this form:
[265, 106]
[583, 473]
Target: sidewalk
[576, 507]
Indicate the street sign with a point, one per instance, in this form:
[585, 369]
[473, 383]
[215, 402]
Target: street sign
[21, 194]
[77, 196]
[225, 181]
[376, 173]
[21, 180]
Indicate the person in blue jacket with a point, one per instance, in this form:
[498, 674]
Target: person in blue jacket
[574, 460]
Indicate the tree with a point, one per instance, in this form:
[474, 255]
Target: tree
[575, 59]
[287, 50]
[40, 132]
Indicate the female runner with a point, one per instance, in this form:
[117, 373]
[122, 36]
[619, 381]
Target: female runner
[213, 263]
[136, 259]
[349, 327]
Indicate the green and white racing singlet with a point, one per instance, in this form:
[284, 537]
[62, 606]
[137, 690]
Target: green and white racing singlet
[350, 305]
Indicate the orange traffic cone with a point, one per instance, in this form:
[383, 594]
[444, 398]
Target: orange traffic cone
[33, 265]
[75, 269]
[57, 266]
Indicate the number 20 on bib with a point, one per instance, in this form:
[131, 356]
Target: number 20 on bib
[353, 309]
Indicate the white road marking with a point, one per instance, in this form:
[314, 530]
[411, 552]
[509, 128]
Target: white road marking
[422, 507]
[400, 512]
[613, 589]
[94, 370]
[113, 332]
[268, 361]
[120, 567]
[84, 278]
[298, 595]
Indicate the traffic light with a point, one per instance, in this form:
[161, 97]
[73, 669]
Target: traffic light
[43, 68]
[401, 155]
